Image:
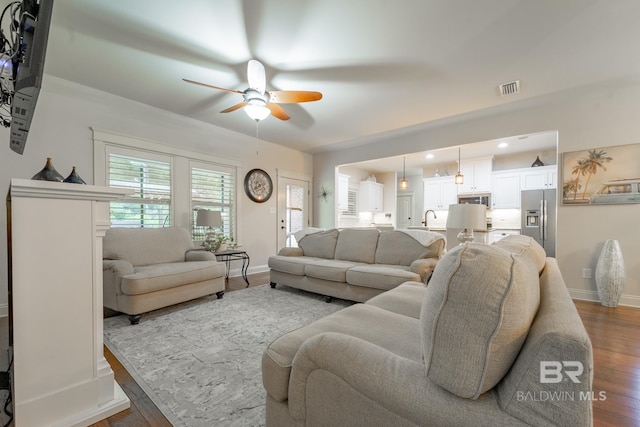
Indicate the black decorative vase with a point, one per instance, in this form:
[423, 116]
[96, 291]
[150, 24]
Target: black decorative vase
[538, 162]
[48, 173]
[74, 178]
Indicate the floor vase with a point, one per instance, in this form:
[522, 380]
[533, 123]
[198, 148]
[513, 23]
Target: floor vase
[610, 275]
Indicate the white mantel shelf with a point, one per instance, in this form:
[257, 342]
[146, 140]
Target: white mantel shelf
[59, 374]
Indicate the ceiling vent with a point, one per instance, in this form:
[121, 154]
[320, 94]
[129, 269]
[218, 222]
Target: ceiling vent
[509, 88]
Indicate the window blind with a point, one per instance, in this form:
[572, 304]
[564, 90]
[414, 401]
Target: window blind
[150, 203]
[213, 188]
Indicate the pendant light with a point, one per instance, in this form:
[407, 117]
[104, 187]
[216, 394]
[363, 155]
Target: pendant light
[404, 184]
[459, 179]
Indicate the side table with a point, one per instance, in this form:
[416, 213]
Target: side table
[234, 255]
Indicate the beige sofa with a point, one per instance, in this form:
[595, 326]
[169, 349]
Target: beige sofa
[149, 268]
[483, 344]
[356, 263]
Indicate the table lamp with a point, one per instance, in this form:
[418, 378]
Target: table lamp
[469, 218]
[206, 218]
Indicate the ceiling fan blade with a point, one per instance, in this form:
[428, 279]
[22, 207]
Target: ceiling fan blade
[234, 107]
[212, 87]
[278, 112]
[293, 96]
[256, 76]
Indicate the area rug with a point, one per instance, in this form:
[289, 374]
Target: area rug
[200, 361]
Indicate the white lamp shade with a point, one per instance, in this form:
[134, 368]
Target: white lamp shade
[207, 218]
[257, 112]
[471, 217]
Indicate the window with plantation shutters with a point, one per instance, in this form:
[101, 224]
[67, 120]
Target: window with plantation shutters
[212, 188]
[149, 176]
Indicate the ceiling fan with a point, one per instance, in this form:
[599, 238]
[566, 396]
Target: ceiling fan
[258, 103]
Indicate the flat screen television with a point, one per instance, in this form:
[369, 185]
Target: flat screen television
[28, 68]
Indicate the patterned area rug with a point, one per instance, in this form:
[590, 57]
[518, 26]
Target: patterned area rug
[200, 361]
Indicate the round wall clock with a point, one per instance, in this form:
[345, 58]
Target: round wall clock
[258, 185]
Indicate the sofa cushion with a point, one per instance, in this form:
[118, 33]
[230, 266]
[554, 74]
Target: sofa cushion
[290, 264]
[380, 276]
[476, 314]
[170, 275]
[394, 332]
[524, 246]
[329, 269]
[357, 244]
[319, 244]
[147, 246]
[405, 299]
[402, 247]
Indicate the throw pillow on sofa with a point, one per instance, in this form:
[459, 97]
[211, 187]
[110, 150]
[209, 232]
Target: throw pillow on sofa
[476, 313]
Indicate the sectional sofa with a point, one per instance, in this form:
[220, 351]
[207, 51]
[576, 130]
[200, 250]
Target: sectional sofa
[356, 263]
[494, 339]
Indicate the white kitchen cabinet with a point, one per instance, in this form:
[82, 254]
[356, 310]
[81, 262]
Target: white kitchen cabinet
[439, 193]
[505, 190]
[343, 192]
[540, 177]
[498, 234]
[477, 175]
[370, 197]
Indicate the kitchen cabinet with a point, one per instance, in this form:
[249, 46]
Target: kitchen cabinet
[370, 197]
[439, 193]
[541, 177]
[343, 192]
[505, 190]
[477, 175]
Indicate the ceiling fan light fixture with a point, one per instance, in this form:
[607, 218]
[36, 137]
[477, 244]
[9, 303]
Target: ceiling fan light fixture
[257, 111]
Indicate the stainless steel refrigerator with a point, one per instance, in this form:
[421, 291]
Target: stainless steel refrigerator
[538, 210]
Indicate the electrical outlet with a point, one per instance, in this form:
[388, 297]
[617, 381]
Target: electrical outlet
[586, 273]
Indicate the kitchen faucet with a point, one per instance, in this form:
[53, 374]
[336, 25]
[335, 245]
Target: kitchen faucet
[427, 213]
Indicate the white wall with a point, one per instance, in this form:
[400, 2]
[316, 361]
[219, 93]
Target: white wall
[61, 130]
[597, 116]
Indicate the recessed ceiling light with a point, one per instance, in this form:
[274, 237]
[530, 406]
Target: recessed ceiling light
[429, 156]
[503, 145]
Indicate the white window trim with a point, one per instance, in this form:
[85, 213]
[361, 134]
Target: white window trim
[104, 140]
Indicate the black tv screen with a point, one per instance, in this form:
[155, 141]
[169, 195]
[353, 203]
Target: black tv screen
[28, 68]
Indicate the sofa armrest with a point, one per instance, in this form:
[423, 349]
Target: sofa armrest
[199, 255]
[291, 252]
[394, 383]
[118, 267]
[424, 267]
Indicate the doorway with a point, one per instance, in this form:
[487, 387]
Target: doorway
[405, 211]
[293, 209]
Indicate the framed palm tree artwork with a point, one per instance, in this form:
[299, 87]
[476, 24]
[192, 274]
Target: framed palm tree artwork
[608, 175]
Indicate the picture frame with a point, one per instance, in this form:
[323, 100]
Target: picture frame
[601, 176]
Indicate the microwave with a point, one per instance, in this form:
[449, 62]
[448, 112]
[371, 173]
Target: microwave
[475, 199]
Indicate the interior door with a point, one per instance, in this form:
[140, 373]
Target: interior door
[293, 210]
[405, 211]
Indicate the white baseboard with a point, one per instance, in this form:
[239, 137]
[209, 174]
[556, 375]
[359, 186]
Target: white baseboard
[237, 272]
[584, 295]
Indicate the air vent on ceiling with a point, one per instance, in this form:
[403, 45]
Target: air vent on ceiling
[509, 88]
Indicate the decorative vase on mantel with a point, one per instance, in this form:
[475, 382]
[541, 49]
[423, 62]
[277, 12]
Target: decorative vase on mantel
[48, 173]
[610, 276]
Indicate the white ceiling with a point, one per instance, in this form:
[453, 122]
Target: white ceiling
[382, 65]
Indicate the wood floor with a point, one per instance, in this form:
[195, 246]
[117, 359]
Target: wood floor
[615, 337]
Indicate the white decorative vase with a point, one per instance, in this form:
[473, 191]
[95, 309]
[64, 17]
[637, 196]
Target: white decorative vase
[610, 275]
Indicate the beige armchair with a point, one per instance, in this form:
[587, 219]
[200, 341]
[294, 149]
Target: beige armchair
[146, 269]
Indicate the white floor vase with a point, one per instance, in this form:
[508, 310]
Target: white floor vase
[610, 276]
